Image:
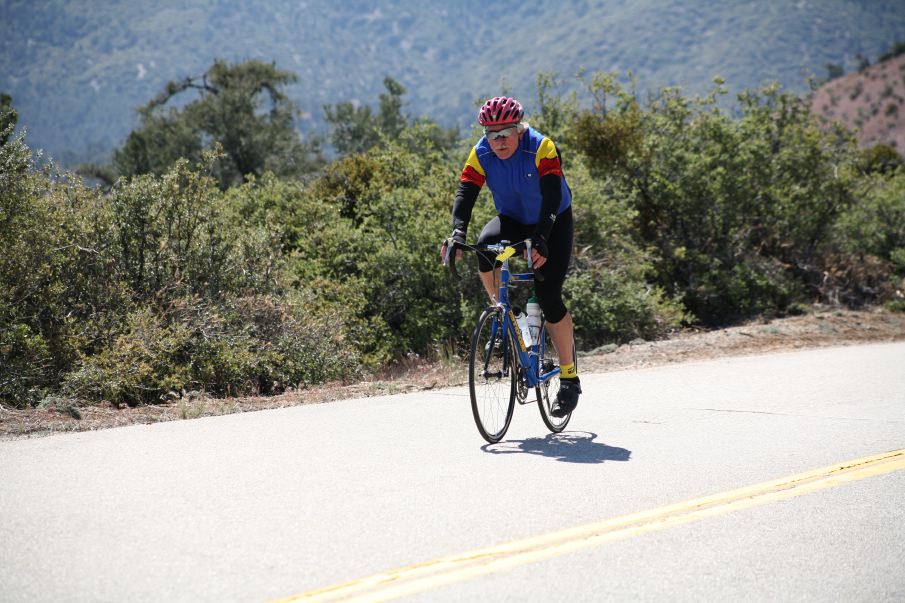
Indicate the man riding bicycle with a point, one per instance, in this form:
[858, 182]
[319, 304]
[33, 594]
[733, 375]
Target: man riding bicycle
[523, 171]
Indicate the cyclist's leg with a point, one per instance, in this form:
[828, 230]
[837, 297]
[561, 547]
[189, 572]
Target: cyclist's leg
[561, 334]
[490, 279]
[559, 321]
[549, 291]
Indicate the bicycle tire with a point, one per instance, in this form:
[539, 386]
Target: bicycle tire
[550, 359]
[491, 376]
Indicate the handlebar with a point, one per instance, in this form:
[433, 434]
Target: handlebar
[504, 252]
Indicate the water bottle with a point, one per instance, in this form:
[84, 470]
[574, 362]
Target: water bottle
[522, 321]
[534, 318]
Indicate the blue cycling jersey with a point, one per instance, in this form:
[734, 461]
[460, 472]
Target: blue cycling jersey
[515, 182]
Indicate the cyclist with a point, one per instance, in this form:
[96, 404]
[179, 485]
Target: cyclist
[523, 171]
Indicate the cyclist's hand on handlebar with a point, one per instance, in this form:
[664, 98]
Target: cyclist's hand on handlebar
[443, 252]
[539, 251]
[458, 238]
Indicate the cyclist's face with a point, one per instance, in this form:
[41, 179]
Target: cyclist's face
[502, 145]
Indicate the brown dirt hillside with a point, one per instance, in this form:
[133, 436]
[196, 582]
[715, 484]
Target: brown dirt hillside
[870, 102]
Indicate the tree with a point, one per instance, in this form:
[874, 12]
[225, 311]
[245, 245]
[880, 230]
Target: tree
[354, 129]
[896, 49]
[834, 71]
[555, 113]
[357, 129]
[390, 120]
[8, 117]
[241, 107]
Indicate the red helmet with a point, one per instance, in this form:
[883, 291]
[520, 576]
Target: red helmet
[500, 110]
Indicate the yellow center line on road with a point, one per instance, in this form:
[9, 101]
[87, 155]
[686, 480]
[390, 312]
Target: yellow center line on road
[457, 568]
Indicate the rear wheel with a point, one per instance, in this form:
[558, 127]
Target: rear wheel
[491, 376]
[548, 359]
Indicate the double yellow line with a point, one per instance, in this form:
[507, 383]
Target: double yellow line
[456, 568]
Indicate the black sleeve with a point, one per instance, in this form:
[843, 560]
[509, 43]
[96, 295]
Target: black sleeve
[466, 195]
[551, 197]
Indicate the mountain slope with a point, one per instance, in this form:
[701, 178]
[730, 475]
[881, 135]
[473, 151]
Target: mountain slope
[871, 102]
[77, 68]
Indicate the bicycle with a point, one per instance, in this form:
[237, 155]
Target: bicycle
[501, 367]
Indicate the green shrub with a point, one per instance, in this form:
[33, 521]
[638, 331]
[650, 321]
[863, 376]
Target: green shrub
[58, 288]
[880, 158]
[241, 346]
[176, 235]
[374, 229]
[876, 222]
[898, 260]
[25, 358]
[608, 289]
[737, 211]
[167, 284]
[869, 242]
[141, 365]
[608, 306]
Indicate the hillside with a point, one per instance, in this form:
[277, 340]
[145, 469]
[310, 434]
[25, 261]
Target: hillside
[77, 69]
[871, 102]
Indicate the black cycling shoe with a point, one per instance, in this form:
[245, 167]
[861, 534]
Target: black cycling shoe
[567, 398]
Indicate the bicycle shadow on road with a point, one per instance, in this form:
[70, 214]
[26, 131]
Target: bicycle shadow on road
[567, 447]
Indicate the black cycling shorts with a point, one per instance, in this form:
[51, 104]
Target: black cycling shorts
[559, 245]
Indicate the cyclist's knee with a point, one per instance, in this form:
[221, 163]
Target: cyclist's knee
[554, 309]
[485, 264]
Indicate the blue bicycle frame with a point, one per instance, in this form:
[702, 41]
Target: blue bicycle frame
[528, 355]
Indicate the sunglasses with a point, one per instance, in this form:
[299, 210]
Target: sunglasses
[504, 133]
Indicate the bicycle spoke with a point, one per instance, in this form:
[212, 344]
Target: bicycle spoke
[491, 379]
[546, 391]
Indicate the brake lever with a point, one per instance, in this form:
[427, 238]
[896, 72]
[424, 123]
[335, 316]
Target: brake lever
[537, 275]
[450, 259]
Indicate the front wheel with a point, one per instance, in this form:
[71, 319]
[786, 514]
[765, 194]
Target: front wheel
[548, 359]
[491, 376]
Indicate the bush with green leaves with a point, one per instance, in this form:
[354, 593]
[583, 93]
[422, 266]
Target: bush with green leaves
[159, 285]
[176, 235]
[880, 158]
[58, 291]
[610, 290]
[234, 346]
[372, 227]
[212, 309]
[168, 283]
[869, 242]
[738, 211]
[875, 223]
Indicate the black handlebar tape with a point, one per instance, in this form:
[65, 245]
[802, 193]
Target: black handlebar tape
[451, 259]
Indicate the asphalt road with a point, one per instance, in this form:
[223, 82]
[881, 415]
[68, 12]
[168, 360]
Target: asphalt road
[274, 504]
